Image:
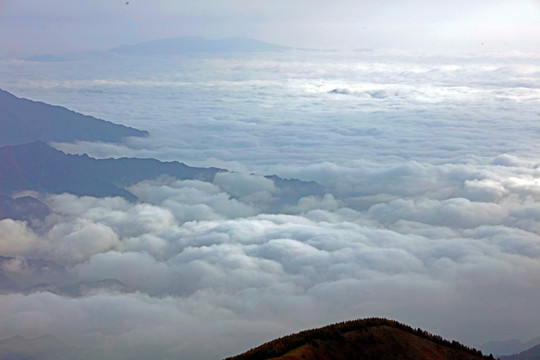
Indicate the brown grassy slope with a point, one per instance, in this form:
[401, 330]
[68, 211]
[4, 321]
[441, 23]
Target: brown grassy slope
[370, 339]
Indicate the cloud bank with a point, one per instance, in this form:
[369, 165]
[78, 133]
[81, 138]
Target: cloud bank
[430, 214]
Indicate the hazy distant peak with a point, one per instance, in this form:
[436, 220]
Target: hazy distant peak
[194, 44]
[532, 353]
[12, 340]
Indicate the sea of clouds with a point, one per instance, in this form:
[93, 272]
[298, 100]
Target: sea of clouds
[431, 216]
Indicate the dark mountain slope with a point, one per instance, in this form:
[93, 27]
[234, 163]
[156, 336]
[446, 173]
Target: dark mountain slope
[23, 121]
[193, 44]
[37, 166]
[373, 339]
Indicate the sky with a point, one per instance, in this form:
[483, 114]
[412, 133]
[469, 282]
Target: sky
[30, 27]
[431, 167]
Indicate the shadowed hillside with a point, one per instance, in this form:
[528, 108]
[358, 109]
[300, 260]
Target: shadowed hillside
[39, 167]
[23, 121]
[373, 339]
[508, 347]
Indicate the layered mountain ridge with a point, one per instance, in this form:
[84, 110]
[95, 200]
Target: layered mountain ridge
[39, 167]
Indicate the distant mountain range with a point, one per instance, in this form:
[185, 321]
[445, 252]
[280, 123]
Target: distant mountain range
[509, 347]
[27, 164]
[193, 44]
[23, 121]
[530, 354]
[184, 45]
[373, 338]
[39, 167]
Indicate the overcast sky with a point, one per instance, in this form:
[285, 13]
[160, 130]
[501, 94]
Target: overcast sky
[28, 27]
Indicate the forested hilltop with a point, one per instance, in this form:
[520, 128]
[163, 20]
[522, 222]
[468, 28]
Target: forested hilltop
[372, 338]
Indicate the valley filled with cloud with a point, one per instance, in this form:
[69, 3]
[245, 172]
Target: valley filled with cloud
[427, 212]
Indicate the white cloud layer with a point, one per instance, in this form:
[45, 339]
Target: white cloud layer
[431, 216]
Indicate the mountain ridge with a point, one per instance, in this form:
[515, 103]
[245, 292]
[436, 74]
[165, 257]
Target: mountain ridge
[39, 167]
[181, 45]
[23, 121]
[35, 166]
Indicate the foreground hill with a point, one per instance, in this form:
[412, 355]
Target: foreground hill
[23, 121]
[372, 338]
[193, 44]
